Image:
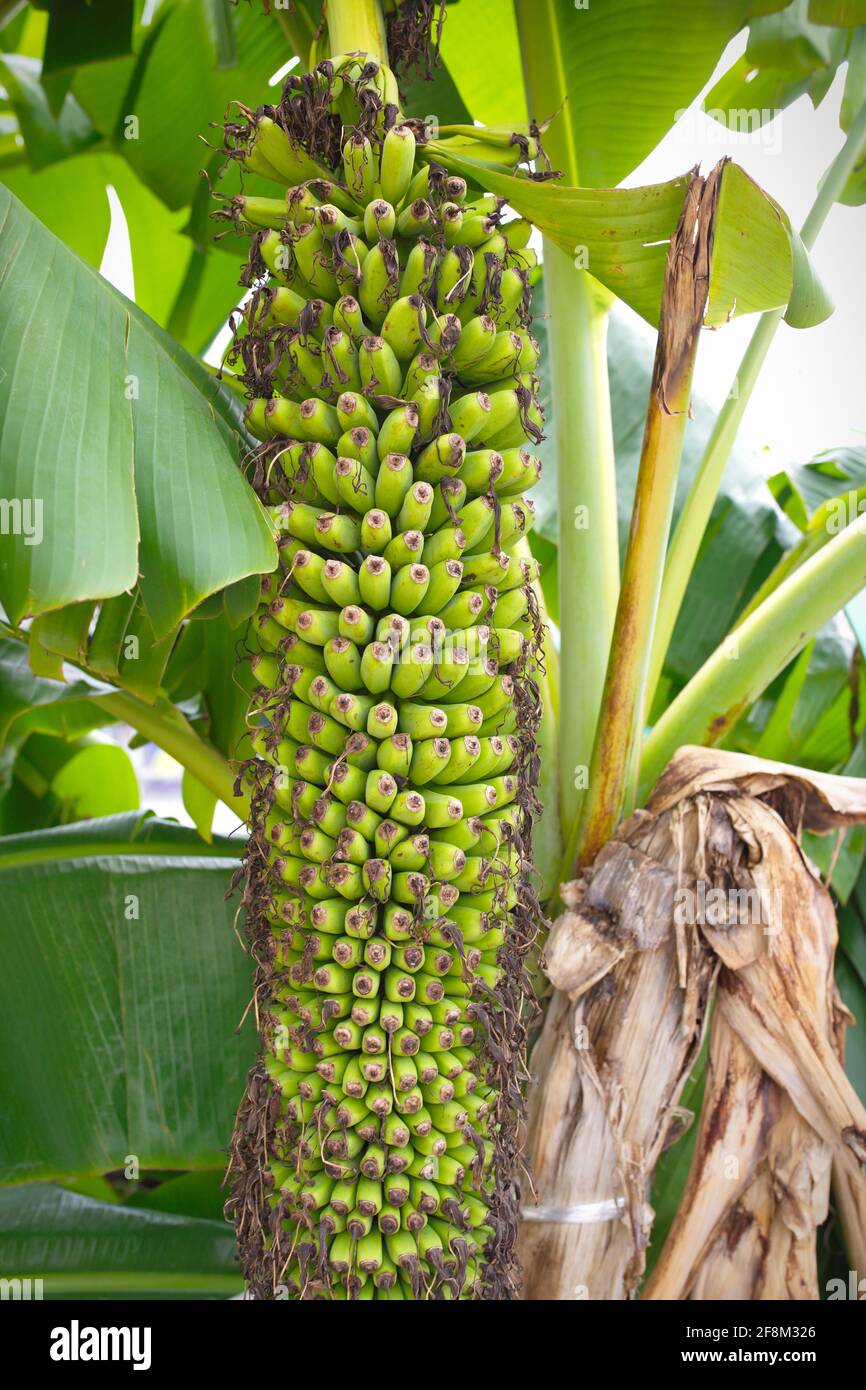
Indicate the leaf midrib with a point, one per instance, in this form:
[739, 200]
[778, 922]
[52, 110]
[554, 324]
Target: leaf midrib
[167, 851]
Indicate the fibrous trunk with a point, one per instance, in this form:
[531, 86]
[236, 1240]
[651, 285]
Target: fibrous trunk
[386, 351]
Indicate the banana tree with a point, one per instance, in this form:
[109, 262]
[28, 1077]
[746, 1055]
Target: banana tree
[382, 324]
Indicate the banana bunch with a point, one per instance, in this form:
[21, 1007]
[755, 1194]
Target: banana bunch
[388, 356]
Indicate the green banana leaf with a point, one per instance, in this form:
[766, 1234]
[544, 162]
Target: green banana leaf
[206, 675]
[120, 646]
[48, 136]
[70, 198]
[621, 236]
[84, 1248]
[811, 716]
[74, 780]
[49, 779]
[176, 84]
[33, 704]
[820, 498]
[199, 804]
[138, 470]
[835, 476]
[788, 55]
[122, 991]
[205, 664]
[628, 71]
[135, 658]
[853, 96]
[848, 12]
[493, 90]
[792, 54]
[189, 1194]
[87, 31]
[189, 61]
[98, 779]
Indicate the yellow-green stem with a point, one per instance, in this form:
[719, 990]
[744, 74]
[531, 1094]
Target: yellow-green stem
[173, 734]
[588, 550]
[181, 742]
[739, 671]
[613, 771]
[357, 26]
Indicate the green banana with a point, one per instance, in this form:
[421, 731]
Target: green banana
[391, 721]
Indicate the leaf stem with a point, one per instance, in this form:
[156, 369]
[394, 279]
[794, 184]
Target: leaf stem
[613, 771]
[357, 26]
[588, 542]
[180, 741]
[708, 707]
[96, 849]
[588, 551]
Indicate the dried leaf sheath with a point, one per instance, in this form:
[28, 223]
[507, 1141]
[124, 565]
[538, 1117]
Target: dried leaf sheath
[778, 1108]
[619, 1041]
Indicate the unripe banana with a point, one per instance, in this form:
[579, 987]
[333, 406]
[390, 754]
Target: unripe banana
[391, 723]
[397, 163]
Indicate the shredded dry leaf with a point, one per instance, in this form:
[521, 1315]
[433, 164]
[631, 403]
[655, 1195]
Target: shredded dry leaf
[704, 898]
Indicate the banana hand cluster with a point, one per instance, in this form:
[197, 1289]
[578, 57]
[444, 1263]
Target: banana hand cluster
[390, 364]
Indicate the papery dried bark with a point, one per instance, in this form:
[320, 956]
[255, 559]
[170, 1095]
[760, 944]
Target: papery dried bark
[634, 981]
[614, 1063]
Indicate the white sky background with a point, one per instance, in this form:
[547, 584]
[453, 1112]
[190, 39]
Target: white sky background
[811, 394]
